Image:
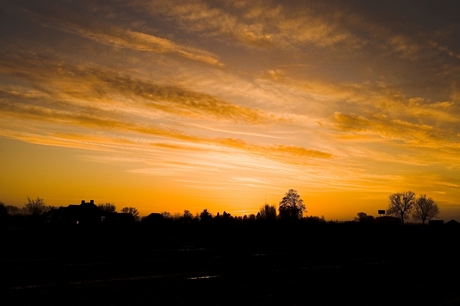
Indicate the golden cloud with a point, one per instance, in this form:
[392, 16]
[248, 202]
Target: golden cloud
[254, 23]
[63, 83]
[112, 35]
[276, 150]
[144, 42]
[92, 117]
[418, 135]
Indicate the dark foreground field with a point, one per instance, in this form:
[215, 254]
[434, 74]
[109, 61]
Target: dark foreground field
[273, 265]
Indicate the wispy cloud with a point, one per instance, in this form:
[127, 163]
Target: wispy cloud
[63, 19]
[410, 133]
[91, 117]
[56, 78]
[126, 38]
[299, 154]
[254, 23]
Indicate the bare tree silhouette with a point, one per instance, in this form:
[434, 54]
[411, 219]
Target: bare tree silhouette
[167, 215]
[132, 211]
[35, 207]
[425, 209]
[108, 207]
[401, 204]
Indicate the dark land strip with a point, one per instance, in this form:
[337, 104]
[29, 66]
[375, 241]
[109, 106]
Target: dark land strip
[224, 266]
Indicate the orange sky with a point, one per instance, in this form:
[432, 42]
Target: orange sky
[225, 105]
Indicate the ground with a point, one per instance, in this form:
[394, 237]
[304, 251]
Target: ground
[274, 265]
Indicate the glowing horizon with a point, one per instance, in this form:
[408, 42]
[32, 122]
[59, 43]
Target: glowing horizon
[166, 107]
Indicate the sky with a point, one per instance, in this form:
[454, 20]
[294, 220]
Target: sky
[226, 105]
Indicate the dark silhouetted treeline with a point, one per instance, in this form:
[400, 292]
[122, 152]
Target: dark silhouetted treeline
[36, 213]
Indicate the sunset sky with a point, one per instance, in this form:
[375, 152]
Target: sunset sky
[225, 105]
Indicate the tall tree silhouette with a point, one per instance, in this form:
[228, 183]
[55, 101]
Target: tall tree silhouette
[291, 206]
[401, 204]
[205, 216]
[425, 209]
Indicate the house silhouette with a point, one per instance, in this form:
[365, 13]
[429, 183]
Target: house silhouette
[85, 213]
